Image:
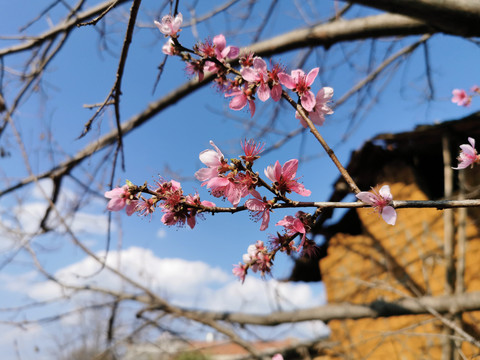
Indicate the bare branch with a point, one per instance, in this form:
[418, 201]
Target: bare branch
[457, 17]
[66, 26]
[408, 306]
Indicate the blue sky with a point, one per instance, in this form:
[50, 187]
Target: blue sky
[84, 72]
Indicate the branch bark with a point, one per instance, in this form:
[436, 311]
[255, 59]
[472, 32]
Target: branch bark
[456, 17]
[408, 306]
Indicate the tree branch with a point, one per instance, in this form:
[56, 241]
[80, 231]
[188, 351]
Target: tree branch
[456, 17]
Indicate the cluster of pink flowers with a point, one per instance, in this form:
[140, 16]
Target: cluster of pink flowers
[255, 78]
[232, 180]
[177, 208]
[224, 179]
[294, 225]
[259, 258]
[235, 180]
[462, 98]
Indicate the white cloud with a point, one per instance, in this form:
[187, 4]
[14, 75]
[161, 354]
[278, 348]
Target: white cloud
[184, 283]
[89, 223]
[25, 219]
[16, 336]
[192, 284]
[17, 282]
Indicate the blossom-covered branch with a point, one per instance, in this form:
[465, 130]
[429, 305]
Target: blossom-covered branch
[255, 78]
[235, 179]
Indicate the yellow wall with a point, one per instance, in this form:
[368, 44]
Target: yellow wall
[390, 262]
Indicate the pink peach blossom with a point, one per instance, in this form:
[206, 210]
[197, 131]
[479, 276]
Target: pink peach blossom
[229, 187]
[216, 179]
[260, 209]
[215, 161]
[147, 206]
[222, 50]
[380, 202]
[461, 98]
[300, 83]
[218, 49]
[192, 212]
[274, 81]
[284, 177]
[468, 156]
[168, 48]
[257, 258]
[251, 150]
[178, 213]
[294, 225]
[170, 26]
[321, 108]
[242, 97]
[119, 198]
[258, 75]
[240, 271]
[195, 67]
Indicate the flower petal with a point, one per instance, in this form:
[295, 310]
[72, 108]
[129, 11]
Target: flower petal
[204, 174]
[300, 189]
[385, 193]
[265, 220]
[472, 142]
[308, 101]
[251, 107]
[287, 81]
[263, 92]
[116, 204]
[210, 158]
[276, 92]
[238, 102]
[289, 169]
[366, 197]
[249, 74]
[219, 42]
[389, 215]
[312, 75]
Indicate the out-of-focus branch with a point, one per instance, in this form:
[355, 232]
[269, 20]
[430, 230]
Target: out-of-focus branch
[408, 306]
[457, 17]
[330, 33]
[47, 55]
[373, 74]
[65, 26]
[448, 242]
[117, 87]
[99, 17]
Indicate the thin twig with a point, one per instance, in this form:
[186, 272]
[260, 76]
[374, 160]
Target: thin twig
[353, 187]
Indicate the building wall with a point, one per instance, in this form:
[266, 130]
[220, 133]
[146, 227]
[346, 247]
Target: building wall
[390, 262]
